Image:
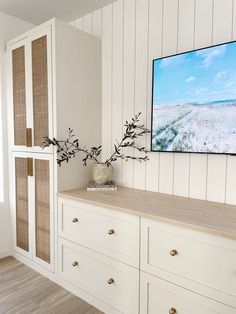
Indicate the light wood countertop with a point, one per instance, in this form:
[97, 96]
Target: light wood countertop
[211, 217]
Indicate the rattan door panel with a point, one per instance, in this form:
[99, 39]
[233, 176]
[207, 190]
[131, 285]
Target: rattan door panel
[40, 89]
[19, 96]
[42, 210]
[22, 214]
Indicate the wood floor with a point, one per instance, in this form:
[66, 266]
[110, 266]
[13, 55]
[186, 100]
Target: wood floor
[24, 291]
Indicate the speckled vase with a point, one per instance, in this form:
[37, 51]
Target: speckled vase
[102, 173]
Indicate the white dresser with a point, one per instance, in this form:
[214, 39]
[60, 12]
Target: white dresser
[141, 252]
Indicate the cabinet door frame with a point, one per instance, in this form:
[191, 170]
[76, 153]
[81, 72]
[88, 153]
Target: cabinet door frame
[11, 128]
[31, 203]
[13, 206]
[39, 261]
[44, 32]
[27, 43]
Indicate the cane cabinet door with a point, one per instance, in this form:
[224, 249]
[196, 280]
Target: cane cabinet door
[22, 206]
[34, 206]
[43, 218]
[31, 91]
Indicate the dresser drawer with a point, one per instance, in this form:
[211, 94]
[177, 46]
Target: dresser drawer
[113, 283]
[202, 258]
[111, 233]
[161, 297]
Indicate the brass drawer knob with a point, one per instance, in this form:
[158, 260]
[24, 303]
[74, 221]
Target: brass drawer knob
[111, 231]
[75, 220]
[75, 263]
[110, 281]
[173, 253]
[172, 311]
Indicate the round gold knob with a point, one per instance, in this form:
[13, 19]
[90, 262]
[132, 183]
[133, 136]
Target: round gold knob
[75, 220]
[75, 263]
[173, 252]
[110, 281]
[172, 311]
[111, 231]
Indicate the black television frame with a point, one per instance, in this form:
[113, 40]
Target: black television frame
[169, 56]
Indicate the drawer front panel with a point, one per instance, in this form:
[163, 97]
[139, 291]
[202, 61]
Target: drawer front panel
[161, 297]
[105, 231]
[196, 256]
[112, 282]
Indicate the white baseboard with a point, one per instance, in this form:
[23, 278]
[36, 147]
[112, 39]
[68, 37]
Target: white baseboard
[5, 253]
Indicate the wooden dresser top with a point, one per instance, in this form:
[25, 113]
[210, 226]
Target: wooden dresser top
[205, 216]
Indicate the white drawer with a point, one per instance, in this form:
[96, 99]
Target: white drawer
[202, 258]
[113, 283]
[161, 297]
[106, 231]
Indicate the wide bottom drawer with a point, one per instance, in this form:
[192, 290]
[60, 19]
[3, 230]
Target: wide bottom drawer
[112, 282]
[161, 297]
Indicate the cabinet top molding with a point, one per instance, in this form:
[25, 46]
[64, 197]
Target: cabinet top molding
[215, 218]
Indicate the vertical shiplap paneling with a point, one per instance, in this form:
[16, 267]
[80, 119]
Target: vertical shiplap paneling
[203, 23]
[128, 80]
[141, 68]
[79, 23]
[234, 20]
[210, 177]
[198, 176]
[97, 23]
[231, 180]
[155, 51]
[202, 38]
[216, 177]
[181, 174]
[231, 160]
[166, 170]
[88, 23]
[170, 27]
[170, 39]
[222, 21]
[186, 25]
[107, 17]
[117, 94]
[222, 32]
[185, 43]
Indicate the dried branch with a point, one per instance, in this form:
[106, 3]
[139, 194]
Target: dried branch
[67, 149]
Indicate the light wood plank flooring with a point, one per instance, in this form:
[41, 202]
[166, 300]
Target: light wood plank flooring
[24, 291]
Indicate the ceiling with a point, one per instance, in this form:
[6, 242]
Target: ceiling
[38, 11]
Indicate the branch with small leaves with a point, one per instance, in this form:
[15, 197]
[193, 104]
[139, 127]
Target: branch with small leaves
[133, 130]
[67, 149]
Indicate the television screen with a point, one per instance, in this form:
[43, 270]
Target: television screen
[194, 101]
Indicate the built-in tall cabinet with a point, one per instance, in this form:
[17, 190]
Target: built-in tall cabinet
[54, 81]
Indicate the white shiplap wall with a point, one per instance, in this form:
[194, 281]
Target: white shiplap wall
[134, 32]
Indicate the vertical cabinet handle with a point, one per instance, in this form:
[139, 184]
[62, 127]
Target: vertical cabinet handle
[29, 137]
[30, 167]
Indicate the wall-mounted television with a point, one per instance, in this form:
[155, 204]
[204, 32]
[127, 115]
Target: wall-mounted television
[194, 101]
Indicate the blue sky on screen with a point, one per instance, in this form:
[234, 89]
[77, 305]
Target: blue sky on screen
[205, 75]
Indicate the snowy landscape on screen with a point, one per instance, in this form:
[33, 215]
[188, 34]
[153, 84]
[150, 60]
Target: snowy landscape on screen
[194, 101]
